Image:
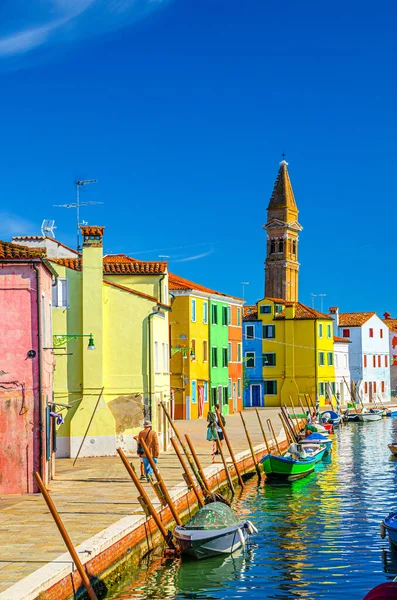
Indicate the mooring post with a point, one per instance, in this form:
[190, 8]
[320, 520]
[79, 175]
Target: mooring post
[160, 480]
[286, 430]
[269, 424]
[186, 471]
[220, 423]
[251, 446]
[302, 408]
[66, 538]
[146, 500]
[309, 407]
[289, 423]
[263, 431]
[198, 464]
[229, 477]
[296, 427]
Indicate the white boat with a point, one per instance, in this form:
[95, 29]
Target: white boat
[369, 416]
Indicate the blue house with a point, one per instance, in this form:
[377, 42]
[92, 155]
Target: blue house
[252, 359]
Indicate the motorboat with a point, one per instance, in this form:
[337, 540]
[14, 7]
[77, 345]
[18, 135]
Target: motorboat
[366, 416]
[350, 416]
[389, 525]
[391, 413]
[318, 438]
[297, 462]
[331, 417]
[214, 530]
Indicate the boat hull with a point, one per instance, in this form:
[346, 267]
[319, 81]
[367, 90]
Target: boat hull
[392, 413]
[206, 543]
[393, 449]
[289, 469]
[390, 524]
[334, 417]
[366, 417]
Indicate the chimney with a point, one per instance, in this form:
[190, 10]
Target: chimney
[334, 311]
[290, 310]
[387, 315]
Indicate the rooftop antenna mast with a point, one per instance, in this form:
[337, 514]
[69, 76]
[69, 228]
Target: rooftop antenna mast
[77, 205]
[322, 296]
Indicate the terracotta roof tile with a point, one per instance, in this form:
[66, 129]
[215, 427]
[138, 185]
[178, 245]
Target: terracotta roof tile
[180, 283]
[356, 319]
[92, 230]
[113, 265]
[250, 313]
[41, 238]
[278, 300]
[9, 251]
[391, 323]
[341, 339]
[304, 312]
[70, 263]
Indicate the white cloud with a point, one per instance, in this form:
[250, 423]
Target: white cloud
[24, 41]
[11, 224]
[195, 257]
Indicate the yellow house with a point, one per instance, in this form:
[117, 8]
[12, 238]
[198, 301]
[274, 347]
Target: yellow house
[123, 304]
[297, 352]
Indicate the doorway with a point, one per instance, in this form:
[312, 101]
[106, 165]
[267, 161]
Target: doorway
[256, 395]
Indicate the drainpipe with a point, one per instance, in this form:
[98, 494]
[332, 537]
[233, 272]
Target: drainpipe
[150, 367]
[161, 288]
[39, 357]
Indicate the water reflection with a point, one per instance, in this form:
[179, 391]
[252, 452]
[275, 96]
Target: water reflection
[318, 537]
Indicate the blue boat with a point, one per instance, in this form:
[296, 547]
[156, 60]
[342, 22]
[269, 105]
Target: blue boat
[389, 524]
[332, 417]
[391, 413]
[318, 438]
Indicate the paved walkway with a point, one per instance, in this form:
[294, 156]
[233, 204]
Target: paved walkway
[94, 494]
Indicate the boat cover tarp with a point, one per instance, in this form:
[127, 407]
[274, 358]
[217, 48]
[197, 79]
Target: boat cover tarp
[216, 515]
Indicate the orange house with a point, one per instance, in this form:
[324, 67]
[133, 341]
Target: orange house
[235, 359]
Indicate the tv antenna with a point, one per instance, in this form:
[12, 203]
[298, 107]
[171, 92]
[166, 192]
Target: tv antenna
[322, 296]
[47, 227]
[77, 205]
[313, 297]
[244, 283]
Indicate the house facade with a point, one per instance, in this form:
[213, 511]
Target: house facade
[342, 370]
[368, 353]
[205, 348]
[253, 383]
[392, 327]
[120, 307]
[26, 369]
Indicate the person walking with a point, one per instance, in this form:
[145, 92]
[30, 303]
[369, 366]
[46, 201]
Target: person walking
[214, 430]
[149, 436]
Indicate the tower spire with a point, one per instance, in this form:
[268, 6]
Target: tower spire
[281, 265]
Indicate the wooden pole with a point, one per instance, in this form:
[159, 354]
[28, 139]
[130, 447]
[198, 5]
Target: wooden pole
[296, 427]
[302, 407]
[263, 431]
[308, 405]
[187, 472]
[88, 426]
[289, 423]
[160, 480]
[66, 538]
[146, 499]
[229, 448]
[286, 430]
[251, 446]
[183, 446]
[199, 467]
[229, 477]
[313, 405]
[269, 424]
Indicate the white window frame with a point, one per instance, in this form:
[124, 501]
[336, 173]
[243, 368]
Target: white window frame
[329, 331]
[229, 352]
[239, 388]
[57, 294]
[156, 357]
[194, 309]
[205, 313]
[320, 330]
[239, 351]
[246, 332]
[247, 357]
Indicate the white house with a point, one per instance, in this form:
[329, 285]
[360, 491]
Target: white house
[392, 326]
[342, 369]
[368, 352]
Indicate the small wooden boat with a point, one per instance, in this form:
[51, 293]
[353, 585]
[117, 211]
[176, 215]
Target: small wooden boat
[318, 438]
[391, 413]
[214, 530]
[331, 417]
[350, 416]
[366, 416]
[294, 464]
[389, 525]
[393, 449]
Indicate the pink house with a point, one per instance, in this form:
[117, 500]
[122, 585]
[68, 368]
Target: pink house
[26, 368]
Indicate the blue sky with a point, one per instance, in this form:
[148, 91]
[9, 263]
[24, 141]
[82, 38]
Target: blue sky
[181, 109]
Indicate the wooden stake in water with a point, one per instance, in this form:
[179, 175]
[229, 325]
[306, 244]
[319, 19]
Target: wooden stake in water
[220, 423]
[251, 446]
[187, 472]
[198, 464]
[286, 430]
[263, 431]
[229, 477]
[269, 424]
[66, 538]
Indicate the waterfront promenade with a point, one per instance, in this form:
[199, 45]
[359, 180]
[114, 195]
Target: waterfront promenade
[93, 496]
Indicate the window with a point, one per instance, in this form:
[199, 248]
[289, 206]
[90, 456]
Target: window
[250, 360]
[278, 308]
[346, 333]
[321, 388]
[270, 388]
[371, 332]
[224, 357]
[239, 352]
[239, 388]
[374, 387]
[321, 359]
[194, 392]
[205, 350]
[320, 330]
[60, 293]
[229, 352]
[213, 396]
[269, 331]
[386, 361]
[345, 360]
[381, 333]
[329, 333]
[272, 247]
[156, 357]
[239, 317]
[214, 311]
[265, 309]
[205, 312]
[330, 358]
[164, 349]
[281, 246]
[205, 385]
[332, 386]
[249, 332]
[365, 360]
[382, 385]
[225, 395]
[193, 350]
[229, 388]
[229, 315]
[379, 361]
[374, 361]
[193, 310]
[294, 247]
[365, 387]
[214, 352]
[336, 360]
[225, 315]
[269, 359]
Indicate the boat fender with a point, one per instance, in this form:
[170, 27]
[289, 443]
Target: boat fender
[241, 536]
[250, 527]
[382, 530]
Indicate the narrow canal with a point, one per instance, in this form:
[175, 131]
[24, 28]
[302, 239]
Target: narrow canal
[318, 537]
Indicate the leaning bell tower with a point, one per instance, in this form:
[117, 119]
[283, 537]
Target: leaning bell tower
[282, 227]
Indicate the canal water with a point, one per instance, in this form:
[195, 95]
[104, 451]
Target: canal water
[318, 537]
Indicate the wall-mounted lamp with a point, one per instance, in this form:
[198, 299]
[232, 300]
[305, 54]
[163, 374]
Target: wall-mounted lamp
[63, 338]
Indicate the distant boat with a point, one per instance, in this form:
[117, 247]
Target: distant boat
[369, 416]
[393, 449]
[214, 530]
[291, 466]
[389, 525]
[350, 416]
[391, 413]
[332, 417]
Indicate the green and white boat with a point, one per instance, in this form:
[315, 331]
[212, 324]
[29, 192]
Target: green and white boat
[294, 464]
